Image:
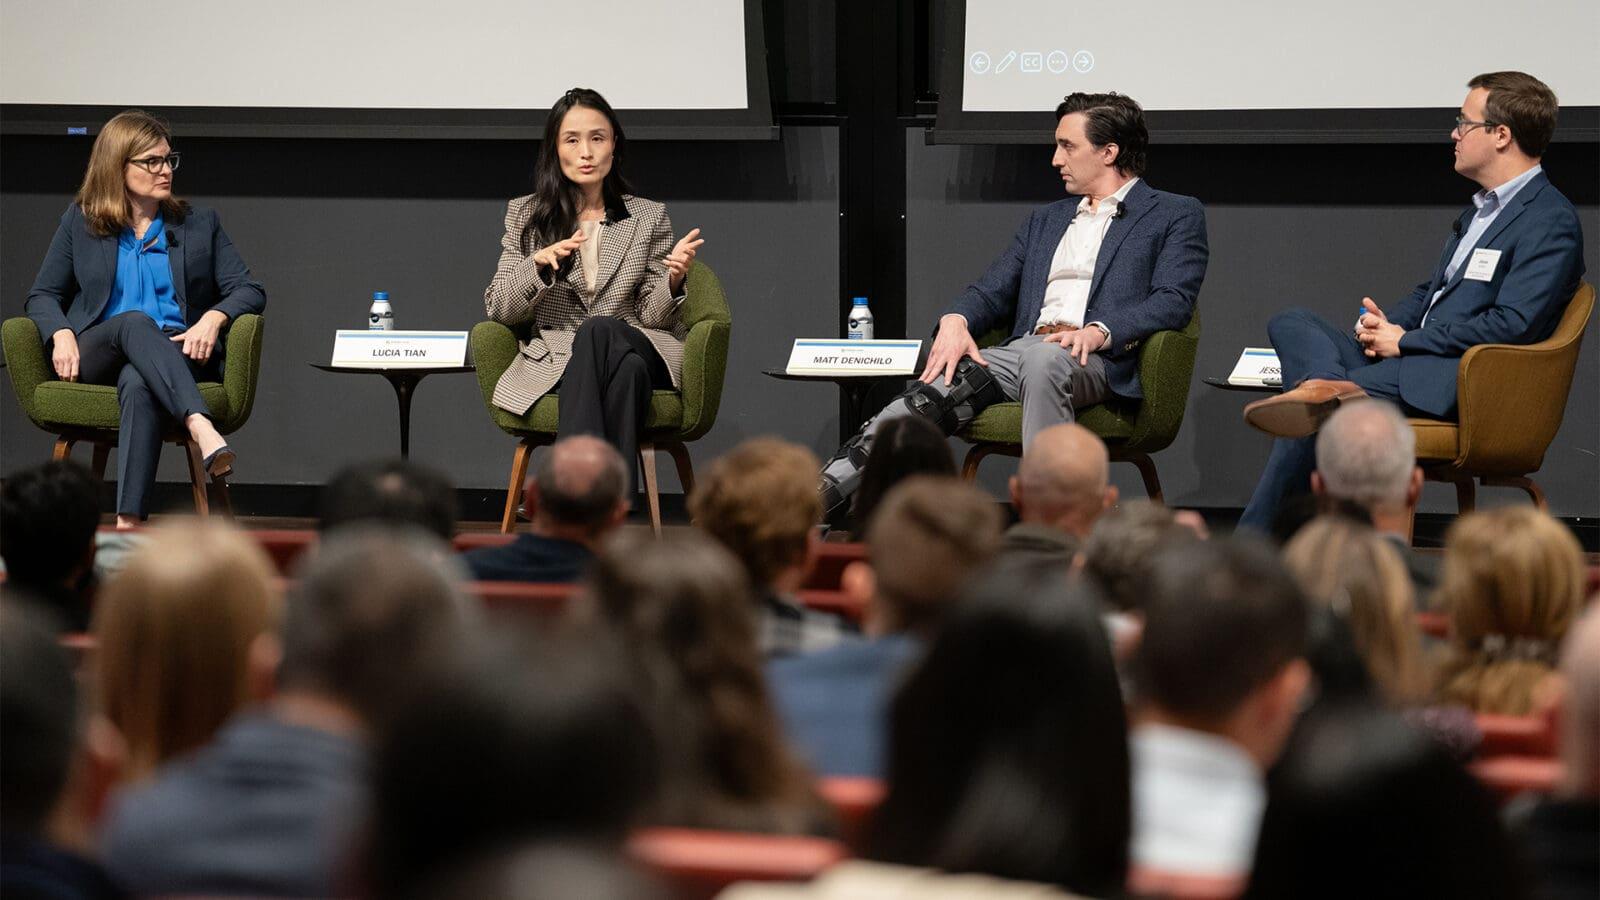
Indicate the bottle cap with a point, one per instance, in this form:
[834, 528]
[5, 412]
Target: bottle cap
[381, 295]
[861, 301]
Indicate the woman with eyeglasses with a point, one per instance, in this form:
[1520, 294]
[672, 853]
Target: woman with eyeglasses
[135, 291]
[591, 279]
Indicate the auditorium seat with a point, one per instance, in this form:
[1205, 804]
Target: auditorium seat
[1154, 884]
[283, 545]
[828, 562]
[700, 864]
[523, 596]
[477, 540]
[1508, 776]
[1517, 735]
[854, 801]
[1434, 624]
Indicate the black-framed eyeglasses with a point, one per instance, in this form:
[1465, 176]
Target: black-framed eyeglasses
[1464, 125]
[153, 164]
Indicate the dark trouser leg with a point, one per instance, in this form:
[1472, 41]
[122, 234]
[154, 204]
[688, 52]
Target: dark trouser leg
[138, 444]
[605, 389]
[1289, 466]
[1310, 347]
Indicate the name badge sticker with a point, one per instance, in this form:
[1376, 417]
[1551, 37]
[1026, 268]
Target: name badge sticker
[1481, 266]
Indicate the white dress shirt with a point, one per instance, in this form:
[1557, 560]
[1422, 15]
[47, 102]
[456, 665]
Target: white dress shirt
[1197, 802]
[1066, 292]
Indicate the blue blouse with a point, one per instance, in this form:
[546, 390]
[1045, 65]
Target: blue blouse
[144, 279]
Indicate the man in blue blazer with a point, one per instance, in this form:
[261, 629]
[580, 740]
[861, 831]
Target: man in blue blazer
[1509, 267]
[1083, 283]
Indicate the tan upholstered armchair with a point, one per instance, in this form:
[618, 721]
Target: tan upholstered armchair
[1510, 402]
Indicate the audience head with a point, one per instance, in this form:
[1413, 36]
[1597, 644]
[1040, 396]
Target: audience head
[1358, 574]
[112, 174]
[1512, 583]
[185, 635]
[393, 492]
[929, 534]
[1064, 480]
[760, 500]
[1523, 105]
[529, 740]
[1008, 748]
[581, 129]
[48, 516]
[38, 720]
[1367, 454]
[902, 447]
[1299, 510]
[681, 611]
[1364, 805]
[577, 488]
[1580, 715]
[1110, 120]
[545, 870]
[1121, 551]
[371, 609]
[1223, 643]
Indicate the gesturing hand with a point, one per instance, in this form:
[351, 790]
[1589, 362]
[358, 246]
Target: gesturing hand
[201, 338]
[1079, 343]
[64, 354]
[1380, 338]
[682, 257]
[953, 344]
[552, 256]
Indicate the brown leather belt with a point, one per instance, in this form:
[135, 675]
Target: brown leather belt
[1055, 329]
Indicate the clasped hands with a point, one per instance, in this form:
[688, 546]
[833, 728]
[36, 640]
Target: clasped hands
[1380, 338]
[677, 261]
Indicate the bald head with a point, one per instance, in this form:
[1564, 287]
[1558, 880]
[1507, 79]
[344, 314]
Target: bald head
[578, 484]
[1580, 720]
[1064, 479]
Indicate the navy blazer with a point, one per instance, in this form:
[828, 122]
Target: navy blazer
[1146, 278]
[1541, 264]
[80, 269]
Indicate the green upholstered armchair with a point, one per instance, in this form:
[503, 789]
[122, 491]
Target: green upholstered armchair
[88, 412]
[1132, 430]
[676, 417]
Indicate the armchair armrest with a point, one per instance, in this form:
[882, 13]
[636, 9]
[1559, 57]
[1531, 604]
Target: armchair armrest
[494, 346]
[241, 369]
[25, 361]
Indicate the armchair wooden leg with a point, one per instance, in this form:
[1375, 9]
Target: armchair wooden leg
[680, 458]
[63, 449]
[98, 465]
[1519, 481]
[519, 474]
[1466, 491]
[197, 478]
[652, 491]
[221, 496]
[1147, 471]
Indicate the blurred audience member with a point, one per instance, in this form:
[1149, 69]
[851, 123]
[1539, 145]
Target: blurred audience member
[1513, 582]
[1008, 747]
[1561, 834]
[546, 870]
[54, 766]
[391, 492]
[185, 636]
[1367, 456]
[1061, 487]
[681, 612]
[1364, 805]
[928, 535]
[528, 741]
[903, 448]
[575, 500]
[760, 500]
[48, 517]
[1220, 675]
[1121, 550]
[270, 806]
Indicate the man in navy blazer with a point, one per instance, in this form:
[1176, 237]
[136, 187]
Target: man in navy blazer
[1508, 269]
[1085, 281]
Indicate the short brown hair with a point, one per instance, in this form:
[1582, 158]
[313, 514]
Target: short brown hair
[927, 536]
[1112, 119]
[1523, 104]
[103, 196]
[760, 500]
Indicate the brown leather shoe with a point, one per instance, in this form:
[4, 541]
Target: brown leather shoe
[1302, 410]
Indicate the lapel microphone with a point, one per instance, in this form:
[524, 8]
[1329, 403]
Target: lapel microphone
[1122, 211]
[1455, 228]
[172, 238]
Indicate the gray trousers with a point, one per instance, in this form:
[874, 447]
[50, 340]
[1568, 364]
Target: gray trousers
[1046, 379]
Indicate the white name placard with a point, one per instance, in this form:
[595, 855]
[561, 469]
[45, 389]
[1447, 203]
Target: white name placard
[845, 357]
[394, 349]
[1257, 366]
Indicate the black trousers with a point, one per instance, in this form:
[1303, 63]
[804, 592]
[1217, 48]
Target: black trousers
[154, 380]
[605, 389]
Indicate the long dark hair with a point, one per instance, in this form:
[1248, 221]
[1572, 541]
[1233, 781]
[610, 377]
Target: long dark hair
[555, 199]
[1008, 745]
[902, 448]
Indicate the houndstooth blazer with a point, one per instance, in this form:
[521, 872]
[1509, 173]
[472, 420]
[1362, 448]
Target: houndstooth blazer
[631, 284]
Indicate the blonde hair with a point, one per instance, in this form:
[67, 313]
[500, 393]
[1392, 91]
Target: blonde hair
[760, 500]
[103, 196]
[1349, 566]
[174, 630]
[1512, 584]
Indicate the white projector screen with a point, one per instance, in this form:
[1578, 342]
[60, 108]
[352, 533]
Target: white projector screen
[1182, 56]
[399, 55]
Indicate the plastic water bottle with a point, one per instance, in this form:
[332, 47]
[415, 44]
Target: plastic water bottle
[381, 316]
[860, 327]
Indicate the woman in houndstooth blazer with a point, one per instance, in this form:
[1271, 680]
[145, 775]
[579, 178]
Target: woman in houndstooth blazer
[591, 279]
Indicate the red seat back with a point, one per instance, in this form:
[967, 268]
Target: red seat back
[702, 863]
[1508, 776]
[1517, 735]
[1155, 884]
[828, 562]
[523, 596]
[854, 801]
